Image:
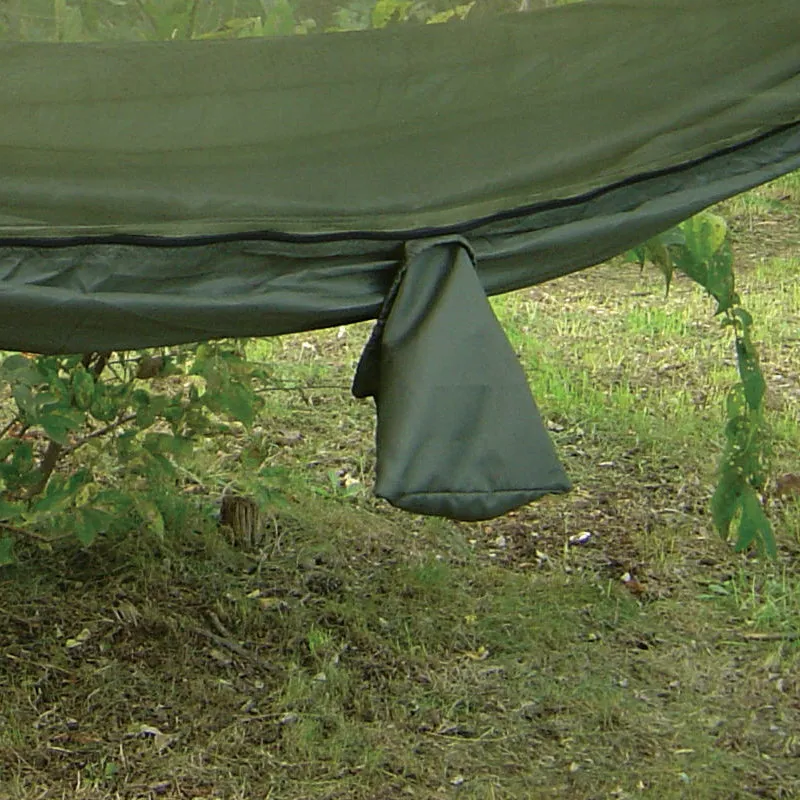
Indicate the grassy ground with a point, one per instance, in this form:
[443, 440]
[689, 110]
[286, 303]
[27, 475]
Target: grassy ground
[358, 652]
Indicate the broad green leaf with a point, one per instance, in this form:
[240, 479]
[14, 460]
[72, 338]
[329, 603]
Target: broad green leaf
[385, 11]
[736, 403]
[20, 369]
[685, 261]
[60, 493]
[458, 12]
[56, 497]
[108, 401]
[83, 388]
[673, 237]
[25, 400]
[22, 459]
[719, 279]
[638, 255]
[238, 401]
[754, 527]
[744, 317]
[167, 444]
[112, 501]
[750, 372]
[175, 413]
[59, 423]
[659, 254]
[278, 19]
[725, 501]
[10, 511]
[6, 551]
[149, 407]
[704, 234]
[159, 467]
[7, 447]
[88, 522]
[150, 513]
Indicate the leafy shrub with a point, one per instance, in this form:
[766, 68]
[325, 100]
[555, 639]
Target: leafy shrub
[147, 409]
[700, 248]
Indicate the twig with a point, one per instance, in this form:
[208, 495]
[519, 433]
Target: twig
[192, 21]
[789, 636]
[33, 535]
[233, 646]
[217, 623]
[148, 16]
[94, 363]
[7, 428]
[100, 432]
[46, 467]
[22, 532]
[17, 618]
[302, 388]
[30, 663]
[227, 641]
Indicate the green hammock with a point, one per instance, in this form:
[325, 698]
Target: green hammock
[160, 193]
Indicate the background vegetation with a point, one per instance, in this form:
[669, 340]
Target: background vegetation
[603, 644]
[108, 20]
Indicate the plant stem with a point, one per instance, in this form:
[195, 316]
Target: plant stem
[7, 428]
[94, 363]
[100, 432]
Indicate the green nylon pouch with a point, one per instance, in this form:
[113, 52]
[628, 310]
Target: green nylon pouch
[458, 432]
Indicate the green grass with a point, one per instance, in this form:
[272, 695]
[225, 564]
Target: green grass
[362, 653]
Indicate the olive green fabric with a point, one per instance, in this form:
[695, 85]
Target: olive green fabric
[458, 432]
[400, 129]
[159, 193]
[79, 297]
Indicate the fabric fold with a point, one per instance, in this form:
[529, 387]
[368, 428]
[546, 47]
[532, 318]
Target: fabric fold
[458, 432]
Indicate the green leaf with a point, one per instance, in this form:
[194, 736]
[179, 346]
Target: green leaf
[754, 527]
[736, 404]
[59, 493]
[745, 319]
[88, 522]
[660, 256]
[20, 369]
[112, 501]
[24, 398]
[458, 12]
[146, 412]
[7, 447]
[719, 279]
[638, 255]
[238, 401]
[704, 234]
[105, 407]
[689, 266]
[22, 460]
[167, 444]
[386, 11]
[752, 379]
[725, 501]
[278, 20]
[159, 467]
[7, 551]
[83, 388]
[60, 422]
[10, 511]
[150, 514]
